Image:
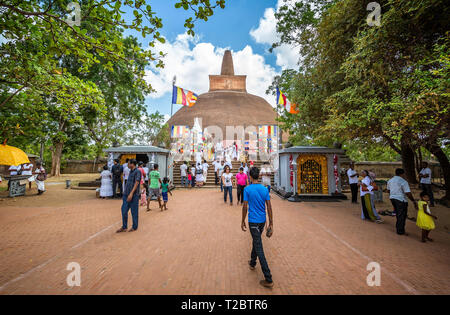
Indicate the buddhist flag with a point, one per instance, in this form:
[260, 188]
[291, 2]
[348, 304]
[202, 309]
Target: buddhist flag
[282, 100]
[183, 97]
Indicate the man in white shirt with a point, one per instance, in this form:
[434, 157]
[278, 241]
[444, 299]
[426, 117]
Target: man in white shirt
[265, 173]
[184, 178]
[398, 189]
[425, 181]
[13, 169]
[205, 167]
[147, 171]
[220, 172]
[353, 181]
[216, 165]
[27, 169]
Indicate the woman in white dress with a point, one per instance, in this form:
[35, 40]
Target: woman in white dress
[199, 179]
[106, 189]
[40, 177]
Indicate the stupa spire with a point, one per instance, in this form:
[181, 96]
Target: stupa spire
[227, 64]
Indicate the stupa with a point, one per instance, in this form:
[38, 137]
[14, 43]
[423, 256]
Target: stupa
[227, 103]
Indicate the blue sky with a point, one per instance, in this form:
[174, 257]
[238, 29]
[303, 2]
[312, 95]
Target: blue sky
[247, 27]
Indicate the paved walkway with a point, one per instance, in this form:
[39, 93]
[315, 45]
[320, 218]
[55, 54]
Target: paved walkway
[197, 247]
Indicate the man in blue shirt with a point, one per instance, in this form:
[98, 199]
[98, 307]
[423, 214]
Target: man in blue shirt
[131, 196]
[256, 198]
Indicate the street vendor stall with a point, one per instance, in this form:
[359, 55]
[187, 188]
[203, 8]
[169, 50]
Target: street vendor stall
[14, 156]
[18, 185]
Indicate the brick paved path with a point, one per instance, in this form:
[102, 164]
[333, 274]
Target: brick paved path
[197, 247]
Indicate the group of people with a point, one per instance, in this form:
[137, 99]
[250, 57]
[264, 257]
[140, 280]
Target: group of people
[399, 193]
[137, 185]
[38, 175]
[195, 176]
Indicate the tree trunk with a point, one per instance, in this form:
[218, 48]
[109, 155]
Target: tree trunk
[56, 158]
[408, 162]
[436, 150]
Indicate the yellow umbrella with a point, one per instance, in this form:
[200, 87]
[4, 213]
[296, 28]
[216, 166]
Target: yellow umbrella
[12, 156]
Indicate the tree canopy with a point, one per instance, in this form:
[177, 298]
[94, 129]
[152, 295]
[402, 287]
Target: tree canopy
[65, 71]
[376, 86]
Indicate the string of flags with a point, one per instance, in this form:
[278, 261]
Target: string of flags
[282, 100]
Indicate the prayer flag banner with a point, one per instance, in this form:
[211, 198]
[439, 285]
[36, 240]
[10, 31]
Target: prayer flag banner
[282, 100]
[183, 97]
[180, 131]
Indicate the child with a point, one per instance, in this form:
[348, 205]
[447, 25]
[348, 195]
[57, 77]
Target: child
[424, 217]
[144, 196]
[189, 180]
[165, 190]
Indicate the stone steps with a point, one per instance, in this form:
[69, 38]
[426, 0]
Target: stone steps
[210, 178]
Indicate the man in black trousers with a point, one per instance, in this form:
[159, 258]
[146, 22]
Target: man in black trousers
[117, 171]
[353, 181]
[398, 189]
[256, 201]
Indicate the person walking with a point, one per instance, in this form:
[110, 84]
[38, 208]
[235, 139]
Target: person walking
[227, 182]
[27, 169]
[147, 171]
[13, 171]
[155, 182]
[398, 189]
[241, 181]
[216, 165]
[130, 199]
[425, 182]
[183, 174]
[116, 171]
[106, 188]
[205, 167]
[266, 173]
[256, 200]
[165, 190]
[126, 171]
[199, 179]
[220, 173]
[353, 181]
[41, 177]
[192, 175]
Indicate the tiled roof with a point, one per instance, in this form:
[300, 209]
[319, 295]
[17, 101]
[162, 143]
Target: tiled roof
[137, 149]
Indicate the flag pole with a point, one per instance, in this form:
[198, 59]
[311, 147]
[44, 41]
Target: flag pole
[171, 105]
[278, 127]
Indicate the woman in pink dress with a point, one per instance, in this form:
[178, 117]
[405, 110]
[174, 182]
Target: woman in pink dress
[241, 181]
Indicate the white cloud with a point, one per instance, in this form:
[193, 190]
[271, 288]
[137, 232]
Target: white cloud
[166, 117]
[266, 32]
[287, 56]
[192, 60]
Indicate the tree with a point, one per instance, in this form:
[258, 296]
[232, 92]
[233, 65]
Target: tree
[67, 107]
[42, 41]
[374, 84]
